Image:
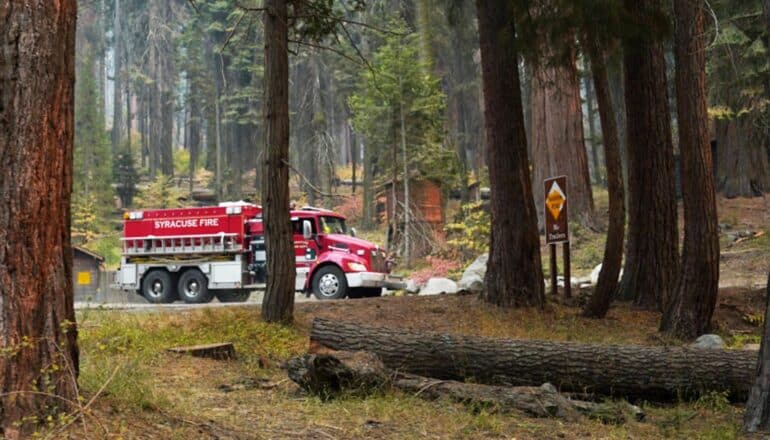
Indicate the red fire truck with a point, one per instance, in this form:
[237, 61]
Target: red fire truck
[196, 254]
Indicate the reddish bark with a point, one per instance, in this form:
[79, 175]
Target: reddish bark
[607, 284]
[688, 312]
[652, 254]
[278, 305]
[514, 273]
[558, 144]
[37, 320]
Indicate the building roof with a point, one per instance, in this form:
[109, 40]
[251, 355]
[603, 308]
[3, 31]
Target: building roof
[88, 253]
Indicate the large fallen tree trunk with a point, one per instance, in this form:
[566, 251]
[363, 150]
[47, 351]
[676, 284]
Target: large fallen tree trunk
[361, 373]
[652, 373]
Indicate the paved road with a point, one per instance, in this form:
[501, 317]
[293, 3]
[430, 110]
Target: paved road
[254, 300]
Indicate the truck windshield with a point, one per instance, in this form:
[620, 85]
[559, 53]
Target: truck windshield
[333, 225]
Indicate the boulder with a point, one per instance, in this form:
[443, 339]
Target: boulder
[472, 283]
[709, 341]
[478, 267]
[437, 286]
[412, 286]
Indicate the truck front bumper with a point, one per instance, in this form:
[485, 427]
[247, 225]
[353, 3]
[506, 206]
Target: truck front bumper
[375, 279]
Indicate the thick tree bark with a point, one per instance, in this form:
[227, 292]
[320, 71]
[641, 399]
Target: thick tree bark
[757, 415]
[742, 164]
[653, 373]
[558, 146]
[514, 274]
[278, 305]
[652, 255]
[38, 336]
[688, 312]
[607, 284]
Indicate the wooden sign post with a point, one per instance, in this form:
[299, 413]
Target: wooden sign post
[557, 228]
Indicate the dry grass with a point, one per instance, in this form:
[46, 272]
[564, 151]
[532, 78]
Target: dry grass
[162, 395]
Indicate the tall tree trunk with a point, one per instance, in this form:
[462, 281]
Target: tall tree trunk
[593, 143]
[558, 147]
[194, 137]
[117, 103]
[618, 94]
[367, 222]
[607, 284]
[757, 414]
[514, 274]
[37, 319]
[652, 257]
[688, 312]
[278, 305]
[161, 102]
[742, 165]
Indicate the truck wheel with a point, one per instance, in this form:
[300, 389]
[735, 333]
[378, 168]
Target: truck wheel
[233, 295]
[330, 283]
[194, 287]
[158, 288]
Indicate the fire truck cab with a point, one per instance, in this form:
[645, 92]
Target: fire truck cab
[196, 254]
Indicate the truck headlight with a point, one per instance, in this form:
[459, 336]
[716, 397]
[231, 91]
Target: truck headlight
[356, 267]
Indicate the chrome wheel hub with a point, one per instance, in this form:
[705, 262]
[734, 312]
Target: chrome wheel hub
[193, 288]
[329, 285]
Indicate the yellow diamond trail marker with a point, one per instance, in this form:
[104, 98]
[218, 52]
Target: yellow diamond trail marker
[556, 226]
[555, 200]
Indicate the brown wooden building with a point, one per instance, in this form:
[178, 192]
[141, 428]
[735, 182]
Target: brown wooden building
[426, 200]
[87, 273]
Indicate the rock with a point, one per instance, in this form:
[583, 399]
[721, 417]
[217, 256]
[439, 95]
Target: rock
[708, 342]
[478, 267]
[595, 274]
[754, 347]
[437, 286]
[594, 277]
[412, 286]
[471, 283]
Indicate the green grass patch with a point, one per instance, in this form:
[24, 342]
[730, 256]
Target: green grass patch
[133, 342]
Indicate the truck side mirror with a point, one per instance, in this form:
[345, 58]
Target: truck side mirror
[353, 232]
[307, 229]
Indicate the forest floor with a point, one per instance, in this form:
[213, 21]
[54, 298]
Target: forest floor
[157, 394]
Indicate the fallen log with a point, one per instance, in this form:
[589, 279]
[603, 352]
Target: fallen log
[652, 373]
[361, 373]
[219, 351]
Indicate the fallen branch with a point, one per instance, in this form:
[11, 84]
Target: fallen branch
[361, 373]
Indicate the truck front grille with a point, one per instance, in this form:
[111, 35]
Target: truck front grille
[379, 261]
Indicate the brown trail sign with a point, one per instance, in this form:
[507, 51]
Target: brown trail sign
[557, 228]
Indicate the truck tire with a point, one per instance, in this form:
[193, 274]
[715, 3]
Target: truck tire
[158, 287]
[193, 287]
[329, 283]
[366, 292]
[233, 295]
